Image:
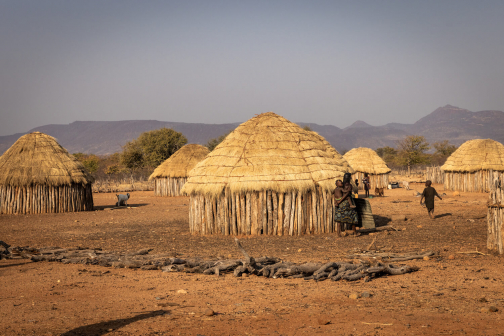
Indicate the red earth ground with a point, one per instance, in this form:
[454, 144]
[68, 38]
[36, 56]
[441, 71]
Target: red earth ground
[446, 296]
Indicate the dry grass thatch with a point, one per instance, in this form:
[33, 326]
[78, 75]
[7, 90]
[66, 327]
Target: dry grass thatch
[181, 162]
[475, 155]
[268, 152]
[365, 160]
[37, 158]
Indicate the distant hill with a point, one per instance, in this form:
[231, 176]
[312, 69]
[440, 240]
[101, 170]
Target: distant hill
[445, 123]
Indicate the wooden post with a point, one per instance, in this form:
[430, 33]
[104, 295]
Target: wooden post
[248, 212]
[253, 218]
[292, 213]
[287, 209]
[264, 213]
[280, 214]
[274, 196]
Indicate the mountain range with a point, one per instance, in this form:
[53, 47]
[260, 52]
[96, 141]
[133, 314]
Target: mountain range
[450, 123]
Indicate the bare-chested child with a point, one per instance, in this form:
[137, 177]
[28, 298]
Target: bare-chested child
[429, 193]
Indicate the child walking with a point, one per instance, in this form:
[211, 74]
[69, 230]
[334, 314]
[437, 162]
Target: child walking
[429, 193]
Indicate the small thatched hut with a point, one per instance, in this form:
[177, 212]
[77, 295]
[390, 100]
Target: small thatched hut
[365, 160]
[474, 166]
[37, 175]
[171, 175]
[269, 176]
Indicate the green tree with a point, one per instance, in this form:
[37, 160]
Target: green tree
[212, 143]
[444, 148]
[307, 128]
[151, 148]
[89, 161]
[412, 151]
[387, 153]
[132, 156]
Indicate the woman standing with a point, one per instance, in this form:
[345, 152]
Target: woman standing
[344, 207]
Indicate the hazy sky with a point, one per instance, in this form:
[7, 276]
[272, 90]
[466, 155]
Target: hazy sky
[326, 62]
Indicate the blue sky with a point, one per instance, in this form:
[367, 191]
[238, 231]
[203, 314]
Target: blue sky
[326, 62]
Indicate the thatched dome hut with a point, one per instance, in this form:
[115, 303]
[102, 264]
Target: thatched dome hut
[37, 175]
[171, 175]
[365, 160]
[474, 166]
[269, 176]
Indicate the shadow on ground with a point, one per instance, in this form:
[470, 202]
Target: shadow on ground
[381, 220]
[443, 215]
[103, 207]
[102, 328]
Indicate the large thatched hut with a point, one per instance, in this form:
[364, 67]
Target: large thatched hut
[37, 175]
[365, 160]
[269, 176]
[171, 175]
[474, 166]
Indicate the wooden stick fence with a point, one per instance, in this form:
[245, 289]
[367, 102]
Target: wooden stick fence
[169, 186]
[38, 198]
[480, 181]
[435, 174]
[376, 181]
[495, 217]
[264, 212]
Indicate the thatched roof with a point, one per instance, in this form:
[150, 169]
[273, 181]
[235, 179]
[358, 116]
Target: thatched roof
[474, 155]
[37, 158]
[181, 162]
[268, 152]
[365, 160]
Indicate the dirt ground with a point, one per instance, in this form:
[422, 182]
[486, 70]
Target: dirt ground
[445, 296]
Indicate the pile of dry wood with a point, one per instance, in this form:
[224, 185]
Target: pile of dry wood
[265, 266]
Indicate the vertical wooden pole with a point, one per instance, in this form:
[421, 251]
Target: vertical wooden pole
[265, 213]
[248, 206]
[280, 214]
[270, 212]
[253, 218]
[274, 196]
[287, 210]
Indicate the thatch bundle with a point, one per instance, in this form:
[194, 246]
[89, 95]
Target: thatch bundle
[37, 175]
[269, 176]
[474, 166]
[365, 160]
[171, 175]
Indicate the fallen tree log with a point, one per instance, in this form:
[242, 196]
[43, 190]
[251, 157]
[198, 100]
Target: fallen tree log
[392, 257]
[265, 266]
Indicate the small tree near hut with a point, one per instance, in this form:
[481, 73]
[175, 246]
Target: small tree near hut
[412, 151]
[212, 143]
[388, 154]
[151, 148]
[90, 161]
[443, 150]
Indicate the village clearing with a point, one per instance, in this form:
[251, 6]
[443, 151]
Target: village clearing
[458, 292]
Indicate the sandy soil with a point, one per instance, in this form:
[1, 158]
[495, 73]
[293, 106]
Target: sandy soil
[445, 297]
